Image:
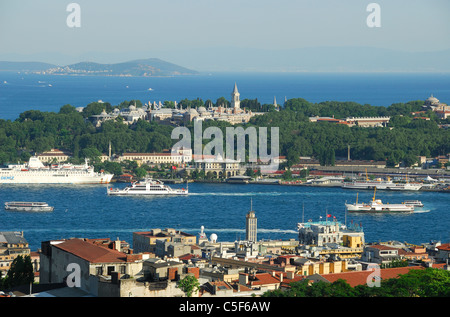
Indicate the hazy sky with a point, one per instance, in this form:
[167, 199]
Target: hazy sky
[183, 30]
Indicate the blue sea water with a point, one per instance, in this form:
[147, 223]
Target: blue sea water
[86, 211]
[21, 92]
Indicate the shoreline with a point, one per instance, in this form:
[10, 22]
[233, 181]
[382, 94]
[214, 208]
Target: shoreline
[333, 185]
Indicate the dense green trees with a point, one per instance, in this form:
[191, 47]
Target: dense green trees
[403, 141]
[36, 131]
[427, 282]
[20, 273]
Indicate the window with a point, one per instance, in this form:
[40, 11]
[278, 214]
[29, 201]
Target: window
[111, 269]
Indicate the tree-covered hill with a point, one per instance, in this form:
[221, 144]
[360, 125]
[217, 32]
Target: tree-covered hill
[404, 139]
[141, 67]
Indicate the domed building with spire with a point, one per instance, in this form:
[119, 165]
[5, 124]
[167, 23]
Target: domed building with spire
[432, 101]
[442, 110]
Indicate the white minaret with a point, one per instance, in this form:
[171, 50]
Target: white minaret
[235, 100]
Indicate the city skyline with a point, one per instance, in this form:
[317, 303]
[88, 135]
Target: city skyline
[232, 35]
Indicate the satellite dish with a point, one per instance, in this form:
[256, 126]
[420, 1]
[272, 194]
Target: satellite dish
[213, 238]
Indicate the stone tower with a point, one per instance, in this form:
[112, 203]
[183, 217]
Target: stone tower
[235, 99]
[251, 226]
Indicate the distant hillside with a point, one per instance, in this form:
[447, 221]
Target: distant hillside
[143, 67]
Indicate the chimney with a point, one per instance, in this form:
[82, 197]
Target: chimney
[281, 277]
[115, 277]
[243, 278]
[117, 245]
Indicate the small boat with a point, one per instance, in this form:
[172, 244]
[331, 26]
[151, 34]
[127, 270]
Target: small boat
[147, 187]
[28, 206]
[239, 179]
[415, 203]
[377, 206]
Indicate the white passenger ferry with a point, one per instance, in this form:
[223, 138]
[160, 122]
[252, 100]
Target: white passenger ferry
[377, 206]
[147, 187]
[383, 185]
[28, 206]
[37, 173]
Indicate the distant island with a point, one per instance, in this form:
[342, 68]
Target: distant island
[152, 67]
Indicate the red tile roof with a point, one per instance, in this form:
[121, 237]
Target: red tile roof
[444, 247]
[272, 278]
[381, 247]
[263, 279]
[90, 252]
[355, 278]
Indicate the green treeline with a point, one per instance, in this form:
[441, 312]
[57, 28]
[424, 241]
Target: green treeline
[19, 273]
[427, 282]
[402, 142]
[36, 131]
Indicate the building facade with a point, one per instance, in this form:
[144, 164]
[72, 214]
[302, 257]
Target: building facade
[326, 232]
[12, 244]
[88, 261]
[179, 156]
[219, 167]
[146, 241]
[54, 155]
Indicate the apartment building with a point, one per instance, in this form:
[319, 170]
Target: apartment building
[146, 241]
[61, 258]
[12, 244]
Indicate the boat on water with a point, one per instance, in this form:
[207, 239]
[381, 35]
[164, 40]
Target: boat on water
[35, 172]
[28, 206]
[377, 206]
[415, 203]
[239, 179]
[381, 185]
[147, 187]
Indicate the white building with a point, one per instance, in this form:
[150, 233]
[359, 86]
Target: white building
[178, 156]
[326, 232]
[233, 114]
[219, 166]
